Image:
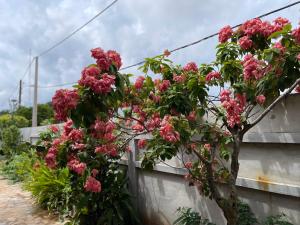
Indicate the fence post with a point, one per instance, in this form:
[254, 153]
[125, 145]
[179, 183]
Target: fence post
[132, 173]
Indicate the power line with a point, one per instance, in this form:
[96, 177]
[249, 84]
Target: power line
[76, 30]
[24, 74]
[190, 44]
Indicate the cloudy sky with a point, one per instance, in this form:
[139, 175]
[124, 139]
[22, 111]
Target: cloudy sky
[135, 28]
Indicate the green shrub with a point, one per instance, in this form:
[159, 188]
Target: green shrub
[246, 216]
[51, 188]
[188, 217]
[7, 120]
[19, 166]
[277, 220]
[11, 141]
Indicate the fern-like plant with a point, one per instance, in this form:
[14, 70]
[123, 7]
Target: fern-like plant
[189, 217]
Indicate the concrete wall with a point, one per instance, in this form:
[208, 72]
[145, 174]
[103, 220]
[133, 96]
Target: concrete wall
[269, 176]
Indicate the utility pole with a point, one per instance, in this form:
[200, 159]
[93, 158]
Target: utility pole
[20, 93]
[35, 93]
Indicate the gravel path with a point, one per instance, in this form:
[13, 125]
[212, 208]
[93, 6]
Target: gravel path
[18, 208]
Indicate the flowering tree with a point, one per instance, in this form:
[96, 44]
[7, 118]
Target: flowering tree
[253, 65]
[90, 144]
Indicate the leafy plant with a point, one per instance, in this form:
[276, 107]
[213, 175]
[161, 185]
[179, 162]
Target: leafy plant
[189, 217]
[51, 188]
[245, 215]
[11, 141]
[19, 166]
[277, 220]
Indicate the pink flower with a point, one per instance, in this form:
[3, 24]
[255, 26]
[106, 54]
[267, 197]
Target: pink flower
[167, 53]
[68, 127]
[207, 147]
[76, 135]
[91, 71]
[234, 107]
[167, 131]
[178, 78]
[192, 116]
[297, 89]
[63, 101]
[92, 185]
[139, 82]
[260, 99]
[298, 57]
[101, 85]
[245, 43]
[213, 75]
[191, 67]
[77, 166]
[253, 68]
[164, 85]
[138, 127]
[225, 33]
[54, 129]
[279, 23]
[97, 53]
[107, 149]
[50, 157]
[193, 146]
[154, 98]
[94, 172]
[188, 165]
[115, 58]
[296, 35]
[142, 143]
[279, 46]
[78, 146]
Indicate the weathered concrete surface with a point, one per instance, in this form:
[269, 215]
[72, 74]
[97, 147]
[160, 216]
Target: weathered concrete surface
[17, 207]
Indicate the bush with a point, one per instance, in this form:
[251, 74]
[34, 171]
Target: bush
[188, 217]
[51, 188]
[7, 120]
[19, 166]
[277, 220]
[11, 141]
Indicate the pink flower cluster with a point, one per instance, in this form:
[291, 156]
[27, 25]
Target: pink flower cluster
[225, 33]
[142, 143]
[260, 99]
[103, 130]
[167, 131]
[213, 75]
[75, 135]
[279, 46]
[178, 78]
[153, 122]
[107, 149]
[63, 101]
[77, 166]
[92, 185]
[296, 35]
[164, 85]
[190, 67]
[139, 82]
[252, 67]
[245, 43]
[192, 116]
[50, 157]
[105, 59]
[257, 26]
[234, 107]
[98, 84]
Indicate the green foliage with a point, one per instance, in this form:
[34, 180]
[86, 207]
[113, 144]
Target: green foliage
[245, 215]
[7, 120]
[188, 217]
[51, 188]
[45, 113]
[19, 166]
[11, 141]
[277, 220]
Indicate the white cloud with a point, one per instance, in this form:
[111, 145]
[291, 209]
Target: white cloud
[136, 29]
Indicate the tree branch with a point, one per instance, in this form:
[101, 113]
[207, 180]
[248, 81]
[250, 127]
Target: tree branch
[270, 107]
